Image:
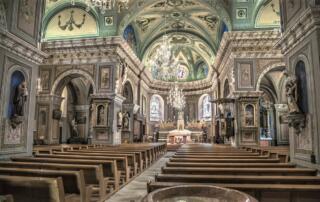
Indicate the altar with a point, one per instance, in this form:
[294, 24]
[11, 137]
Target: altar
[179, 137]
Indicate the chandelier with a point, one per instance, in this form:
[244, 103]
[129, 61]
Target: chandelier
[176, 98]
[105, 5]
[163, 63]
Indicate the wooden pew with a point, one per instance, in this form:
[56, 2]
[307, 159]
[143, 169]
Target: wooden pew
[262, 192]
[238, 165]
[202, 160]
[219, 157]
[73, 181]
[136, 156]
[93, 174]
[110, 170]
[243, 179]
[131, 158]
[122, 162]
[33, 189]
[239, 171]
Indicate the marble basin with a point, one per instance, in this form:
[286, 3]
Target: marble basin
[197, 193]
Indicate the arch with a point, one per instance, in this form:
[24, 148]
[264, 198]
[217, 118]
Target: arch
[68, 76]
[265, 8]
[204, 107]
[127, 92]
[93, 16]
[302, 86]
[249, 110]
[11, 71]
[310, 90]
[226, 88]
[156, 108]
[267, 69]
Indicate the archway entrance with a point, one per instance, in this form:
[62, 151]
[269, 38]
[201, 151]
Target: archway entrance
[74, 91]
[272, 131]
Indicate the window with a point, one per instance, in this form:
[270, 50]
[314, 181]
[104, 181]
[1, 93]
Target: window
[156, 108]
[205, 108]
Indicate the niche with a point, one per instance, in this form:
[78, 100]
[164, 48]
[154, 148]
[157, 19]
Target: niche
[249, 115]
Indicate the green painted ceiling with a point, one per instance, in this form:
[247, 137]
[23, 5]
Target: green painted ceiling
[195, 26]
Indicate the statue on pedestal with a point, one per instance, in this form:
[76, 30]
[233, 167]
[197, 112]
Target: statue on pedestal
[291, 93]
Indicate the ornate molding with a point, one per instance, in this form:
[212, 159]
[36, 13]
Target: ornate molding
[307, 23]
[15, 45]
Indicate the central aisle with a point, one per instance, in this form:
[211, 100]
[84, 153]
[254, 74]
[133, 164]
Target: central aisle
[137, 188]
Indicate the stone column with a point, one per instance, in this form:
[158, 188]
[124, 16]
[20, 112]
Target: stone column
[281, 127]
[116, 126]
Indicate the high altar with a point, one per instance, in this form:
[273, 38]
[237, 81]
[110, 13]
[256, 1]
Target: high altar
[177, 134]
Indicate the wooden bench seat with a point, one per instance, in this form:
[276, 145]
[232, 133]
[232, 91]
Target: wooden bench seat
[131, 158]
[243, 179]
[240, 165]
[73, 181]
[35, 189]
[201, 160]
[137, 156]
[122, 162]
[239, 171]
[262, 192]
[93, 174]
[219, 157]
[217, 154]
[110, 170]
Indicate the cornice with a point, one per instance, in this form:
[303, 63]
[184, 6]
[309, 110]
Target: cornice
[308, 21]
[250, 44]
[90, 50]
[17, 46]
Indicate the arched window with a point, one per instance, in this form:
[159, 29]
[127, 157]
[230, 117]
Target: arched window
[302, 87]
[156, 108]
[205, 108]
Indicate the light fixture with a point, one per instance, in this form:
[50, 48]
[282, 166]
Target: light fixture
[105, 5]
[176, 98]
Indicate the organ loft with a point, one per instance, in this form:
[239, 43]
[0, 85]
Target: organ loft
[159, 100]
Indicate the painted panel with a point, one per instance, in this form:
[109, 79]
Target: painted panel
[27, 16]
[71, 22]
[269, 15]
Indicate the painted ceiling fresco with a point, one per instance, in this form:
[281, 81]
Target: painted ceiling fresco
[195, 27]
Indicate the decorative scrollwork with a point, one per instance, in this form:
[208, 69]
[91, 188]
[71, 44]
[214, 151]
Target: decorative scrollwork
[71, 22]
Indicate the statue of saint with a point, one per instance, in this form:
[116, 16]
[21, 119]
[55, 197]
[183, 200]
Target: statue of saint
[126, 121]
[119, 119]
[74, 128]
[19, 99]
[291, 93]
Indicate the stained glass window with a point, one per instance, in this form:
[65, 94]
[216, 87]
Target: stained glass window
[156, 108]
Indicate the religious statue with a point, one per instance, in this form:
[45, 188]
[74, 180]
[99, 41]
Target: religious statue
[126, 122]
[119, 119]
[100, 118]
[291, 93]
[19, 99]
[74, 129]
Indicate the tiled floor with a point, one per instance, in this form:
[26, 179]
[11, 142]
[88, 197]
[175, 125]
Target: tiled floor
[137, 188]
